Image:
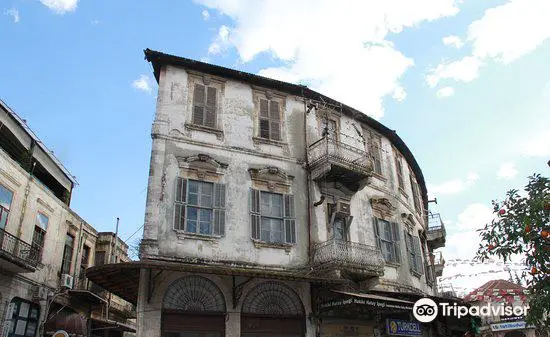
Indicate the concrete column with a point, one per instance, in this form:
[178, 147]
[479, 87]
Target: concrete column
[233, 324]
[142, 302]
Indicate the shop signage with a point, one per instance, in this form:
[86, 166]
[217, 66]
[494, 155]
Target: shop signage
[397, 327]
[510, 326]
[364, 301]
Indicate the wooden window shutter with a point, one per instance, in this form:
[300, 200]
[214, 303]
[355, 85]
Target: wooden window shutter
[255, 216]
[211, 98]
[198, 104]
[396, 242]
[376, 233]
[264, 108]
[219, 209]
[275, 125]
[418, 255]
[179, 204]
[290, 219]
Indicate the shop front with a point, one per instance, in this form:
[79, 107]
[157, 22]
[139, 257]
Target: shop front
[341, 313]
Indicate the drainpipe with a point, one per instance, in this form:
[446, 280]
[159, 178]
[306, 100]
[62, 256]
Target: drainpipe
[79, 249]
[308, 177]
[25, 200]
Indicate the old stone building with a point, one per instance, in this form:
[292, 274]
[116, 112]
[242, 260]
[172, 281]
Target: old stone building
[273, 210]
[45, 246]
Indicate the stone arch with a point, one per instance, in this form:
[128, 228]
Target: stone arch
[194, 294]
[272, 298]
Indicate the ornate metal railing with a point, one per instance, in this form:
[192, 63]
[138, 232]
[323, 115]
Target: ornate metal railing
[329, 150]
[348, 254]
[435, 224]
[18, 250]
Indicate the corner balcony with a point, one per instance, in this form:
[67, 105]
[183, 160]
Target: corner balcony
[348, 259]
[439, 263]
[17, 256]
[436, 231]
[331, 160]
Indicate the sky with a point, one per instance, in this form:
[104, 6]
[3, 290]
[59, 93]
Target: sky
[465, 83]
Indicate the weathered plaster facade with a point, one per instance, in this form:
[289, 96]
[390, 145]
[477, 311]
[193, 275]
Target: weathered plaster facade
[33, 267]
[234, 151]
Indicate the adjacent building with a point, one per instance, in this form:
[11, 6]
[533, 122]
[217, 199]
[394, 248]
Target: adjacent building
[45, 246]
[274, 210]
[500, 293]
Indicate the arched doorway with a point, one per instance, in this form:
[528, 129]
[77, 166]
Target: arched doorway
[272, 309]
[193, 306]
[514, 333]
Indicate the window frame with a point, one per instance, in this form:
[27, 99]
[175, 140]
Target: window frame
[39, 234]
[182, 206]
[84, 260]
[269, 119]
[374, 149]
[5, 212]
[415, 194]
[400, 172]
[16, 317]
[288, 219]
[414, 250]
[393, 243]
[68, 252]
[204, 105]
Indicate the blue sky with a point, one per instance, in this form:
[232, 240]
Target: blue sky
[466, 84]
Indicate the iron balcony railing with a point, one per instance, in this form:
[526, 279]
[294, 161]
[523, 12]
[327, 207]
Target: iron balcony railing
[328, 150]
[18, 250]
[348, 254]
[435, 224]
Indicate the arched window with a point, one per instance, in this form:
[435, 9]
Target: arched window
[194, 294]
[272, 298]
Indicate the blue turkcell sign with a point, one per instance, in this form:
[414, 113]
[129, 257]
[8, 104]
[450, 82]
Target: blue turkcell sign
[397, 327]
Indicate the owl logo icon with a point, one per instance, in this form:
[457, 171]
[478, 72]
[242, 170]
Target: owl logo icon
[393, 327]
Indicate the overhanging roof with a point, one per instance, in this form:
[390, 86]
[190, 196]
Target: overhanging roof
[159, 59]
[122, 279]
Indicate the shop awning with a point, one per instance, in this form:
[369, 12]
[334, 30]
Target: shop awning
[122, 279]
[373, 300]
[87, 296]
[104, 324]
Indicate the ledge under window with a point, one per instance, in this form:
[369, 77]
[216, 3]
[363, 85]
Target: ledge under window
[415, 273]
[392, 264]
[379, 176]
[196, 127]
[263, 244]
[260, 140]
[194, 236]
[402, 191]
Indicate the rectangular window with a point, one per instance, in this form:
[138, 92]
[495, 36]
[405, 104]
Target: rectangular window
[270, 119]
[415, 253]
[6, 197]
[387, 240]
[67, 255]
[328, 128]
[100, 258]
[272, 217]
[24, 318]
[200, 207]
[85, 259]
[414, 187]
[374, 149]
[204, 105]
[399, 168]
[40, 233]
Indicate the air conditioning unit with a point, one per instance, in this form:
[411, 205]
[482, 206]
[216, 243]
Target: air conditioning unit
[343, 208]
[66, 281]
[40, 293]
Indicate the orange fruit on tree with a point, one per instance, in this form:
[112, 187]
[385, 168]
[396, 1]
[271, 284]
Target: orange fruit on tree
[527, 228]
[534, 270]
[544, 234]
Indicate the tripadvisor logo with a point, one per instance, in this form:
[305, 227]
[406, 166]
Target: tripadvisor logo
[425, 310]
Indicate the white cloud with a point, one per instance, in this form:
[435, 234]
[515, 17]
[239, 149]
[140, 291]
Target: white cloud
[507, 171]
[453, 40]
[205, 15]
[464, 70]
[453, 186]
[221, 42]
[346, 57]
[60, 6]
[504, 34]
[94, 22]
[143, 83]
[445, 92]
[537, 145]
[14, 13]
